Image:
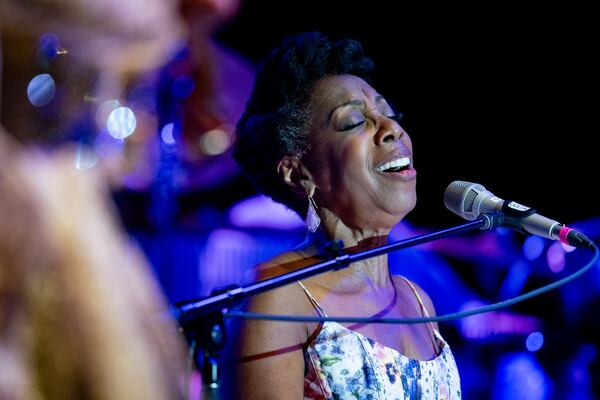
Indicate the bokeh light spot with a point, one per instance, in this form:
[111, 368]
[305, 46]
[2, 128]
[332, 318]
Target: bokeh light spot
[107, 146]
[41, 90]
[556, 257]
[567, 248]
[534, 341]
[121, 122]
[214, 142]
[104, 111]
[143, 97]
[166, 134]
[533, 247]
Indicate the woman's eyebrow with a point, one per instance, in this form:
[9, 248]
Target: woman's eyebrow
[355, 102]
[351, 103]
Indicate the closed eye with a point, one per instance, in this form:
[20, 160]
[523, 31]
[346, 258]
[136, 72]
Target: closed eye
[396, 117]
[352, 126]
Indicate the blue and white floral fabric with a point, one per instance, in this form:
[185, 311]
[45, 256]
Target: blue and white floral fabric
[343, 364]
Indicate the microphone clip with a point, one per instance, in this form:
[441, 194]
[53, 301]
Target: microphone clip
[492, 220]
[514, 214]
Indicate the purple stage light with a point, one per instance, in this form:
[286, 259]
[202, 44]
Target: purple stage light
[262, 212]
[556, 257]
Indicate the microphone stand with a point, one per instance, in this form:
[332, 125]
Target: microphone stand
[202, 320]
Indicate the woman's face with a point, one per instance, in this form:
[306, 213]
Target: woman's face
[361, 158]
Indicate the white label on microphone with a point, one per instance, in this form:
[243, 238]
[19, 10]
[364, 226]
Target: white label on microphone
[517, 206]
[495, 199]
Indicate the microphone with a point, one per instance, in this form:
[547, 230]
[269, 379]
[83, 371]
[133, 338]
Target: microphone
[470, 200]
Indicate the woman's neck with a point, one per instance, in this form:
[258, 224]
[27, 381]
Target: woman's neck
[372, 272]
[352, 234]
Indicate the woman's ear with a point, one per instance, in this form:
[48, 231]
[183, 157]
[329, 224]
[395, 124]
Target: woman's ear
[295, 174]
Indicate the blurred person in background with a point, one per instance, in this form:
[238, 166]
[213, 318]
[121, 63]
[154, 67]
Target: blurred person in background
[207, 108]
[81, 316]
[181, 155]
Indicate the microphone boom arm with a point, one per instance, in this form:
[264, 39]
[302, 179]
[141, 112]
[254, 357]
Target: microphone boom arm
[189, 312]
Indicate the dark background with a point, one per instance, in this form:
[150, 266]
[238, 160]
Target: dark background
[504, 96]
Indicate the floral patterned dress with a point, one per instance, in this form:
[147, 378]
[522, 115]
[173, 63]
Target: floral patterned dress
[344, 364]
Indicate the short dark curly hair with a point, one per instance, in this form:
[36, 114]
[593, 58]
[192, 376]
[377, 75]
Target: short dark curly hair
[275, 122]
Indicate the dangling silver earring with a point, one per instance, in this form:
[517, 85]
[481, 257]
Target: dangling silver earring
[313, 220]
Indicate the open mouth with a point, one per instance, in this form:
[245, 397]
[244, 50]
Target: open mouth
[397, 165]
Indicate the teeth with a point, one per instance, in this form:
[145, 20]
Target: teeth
[398, 163]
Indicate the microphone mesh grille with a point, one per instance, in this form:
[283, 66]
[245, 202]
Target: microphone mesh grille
[460, 195]
[469, 200]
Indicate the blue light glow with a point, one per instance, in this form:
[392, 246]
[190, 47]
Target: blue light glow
[534, 341]
[520, 376]
[166, 134]
[107, 146]
[41, 90]
[143, 97]
[48, 45]
[533, 247]
[183, 86]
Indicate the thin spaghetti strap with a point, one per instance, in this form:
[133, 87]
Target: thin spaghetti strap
[423, 311]
[312, 300]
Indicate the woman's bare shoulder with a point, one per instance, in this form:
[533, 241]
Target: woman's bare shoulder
[284, 263]
[400, 281]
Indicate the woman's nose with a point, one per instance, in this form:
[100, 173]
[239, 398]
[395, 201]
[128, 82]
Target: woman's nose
[388, 131]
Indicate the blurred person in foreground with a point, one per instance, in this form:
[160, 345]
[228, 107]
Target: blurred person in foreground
[80, 314]
[318, 137]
